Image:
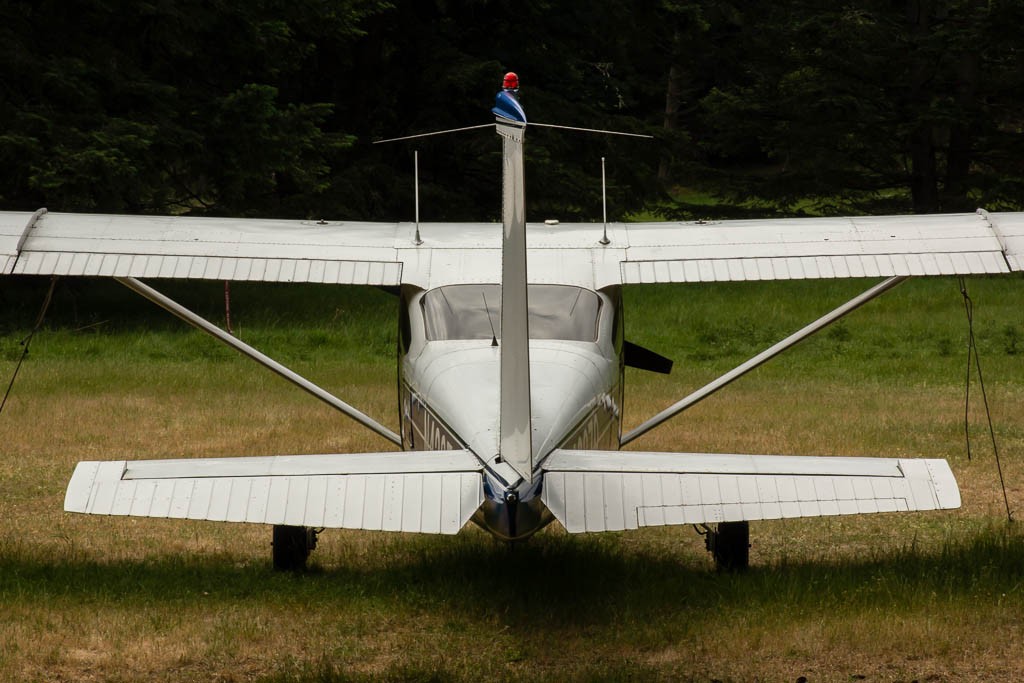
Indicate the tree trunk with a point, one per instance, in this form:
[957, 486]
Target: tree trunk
[923, 175]
[923, 171]
[961, 133]
[673, 95]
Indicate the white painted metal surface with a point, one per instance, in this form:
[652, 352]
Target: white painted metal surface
[12, 226]
[14, 230]
[1009, 228]
[386, 253]
[785, 249]
[514, 438]
[459, 380]
[426, 492]
[211, 248]
[617, 490]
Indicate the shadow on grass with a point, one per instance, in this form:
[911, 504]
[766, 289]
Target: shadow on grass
[555, 589]
[550, 582]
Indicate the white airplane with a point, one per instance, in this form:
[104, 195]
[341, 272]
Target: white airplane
[511, 366]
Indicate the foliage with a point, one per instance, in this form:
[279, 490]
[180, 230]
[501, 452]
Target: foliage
[862, 104]
[267, 108]
[166, 106]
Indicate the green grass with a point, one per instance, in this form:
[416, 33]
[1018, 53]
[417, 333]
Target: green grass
[919, 329]
[932, 596]
[101, 319]
[692, 203]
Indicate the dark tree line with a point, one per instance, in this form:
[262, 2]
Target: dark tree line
[880, 105]
[269, 107]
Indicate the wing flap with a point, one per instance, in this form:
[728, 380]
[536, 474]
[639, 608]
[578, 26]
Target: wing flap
[425, 492]
[813, 267]
[617, 490]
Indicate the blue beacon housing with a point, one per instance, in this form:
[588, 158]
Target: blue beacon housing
[507, 106]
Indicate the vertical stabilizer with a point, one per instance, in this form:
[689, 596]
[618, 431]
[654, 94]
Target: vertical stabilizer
[515, 443]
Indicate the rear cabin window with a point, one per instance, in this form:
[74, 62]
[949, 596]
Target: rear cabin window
[473, 311]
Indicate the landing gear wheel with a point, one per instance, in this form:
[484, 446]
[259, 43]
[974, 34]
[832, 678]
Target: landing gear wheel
[729, 544]
[292, 545]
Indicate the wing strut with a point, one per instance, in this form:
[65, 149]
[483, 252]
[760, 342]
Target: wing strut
[762, 357]
[243, 348]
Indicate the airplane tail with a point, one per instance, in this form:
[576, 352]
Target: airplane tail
[515, 431]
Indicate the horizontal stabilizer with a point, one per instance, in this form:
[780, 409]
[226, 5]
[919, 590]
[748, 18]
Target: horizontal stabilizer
[617, 490]
[416, 491]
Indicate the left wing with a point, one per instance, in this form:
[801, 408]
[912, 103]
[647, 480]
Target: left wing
[417, 491]
[618, 490]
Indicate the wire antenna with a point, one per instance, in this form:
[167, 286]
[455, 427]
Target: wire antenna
[494, 337]
[593, 130]
[436, 132]
[488, 125]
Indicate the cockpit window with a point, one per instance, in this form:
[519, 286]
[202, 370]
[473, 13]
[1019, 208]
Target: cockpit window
[474, 312]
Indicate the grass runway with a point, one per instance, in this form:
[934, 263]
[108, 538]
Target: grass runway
[924, 596]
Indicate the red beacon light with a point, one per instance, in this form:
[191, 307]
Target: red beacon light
[506, 102]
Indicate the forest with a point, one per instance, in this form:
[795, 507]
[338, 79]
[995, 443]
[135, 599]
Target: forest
[269, 107]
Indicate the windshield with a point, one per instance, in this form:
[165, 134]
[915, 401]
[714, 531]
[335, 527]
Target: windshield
[474, 312]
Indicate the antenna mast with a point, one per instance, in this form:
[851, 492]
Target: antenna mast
[416, 181]
[604, 205]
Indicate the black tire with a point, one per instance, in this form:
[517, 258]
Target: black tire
[292, 545]
[729, 544]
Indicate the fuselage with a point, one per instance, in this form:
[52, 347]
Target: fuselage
[449, 369]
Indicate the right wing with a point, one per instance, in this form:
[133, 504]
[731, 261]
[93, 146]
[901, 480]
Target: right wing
[433, 492]
[618, 490]
[810, 248]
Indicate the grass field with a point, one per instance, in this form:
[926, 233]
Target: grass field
[925, 597]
